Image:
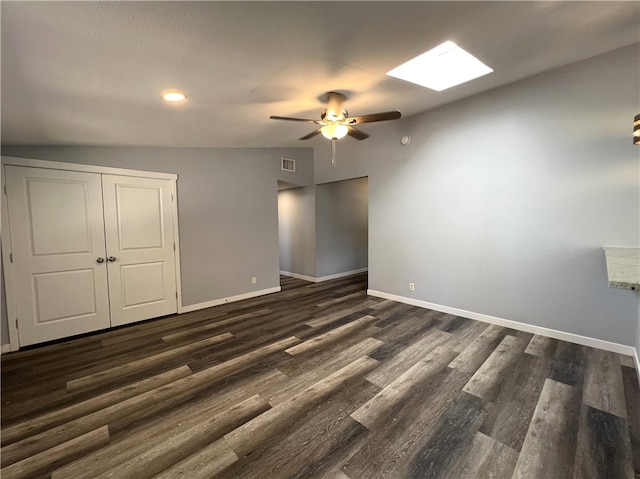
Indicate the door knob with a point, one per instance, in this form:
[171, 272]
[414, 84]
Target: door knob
[100, 260]
[111, 259]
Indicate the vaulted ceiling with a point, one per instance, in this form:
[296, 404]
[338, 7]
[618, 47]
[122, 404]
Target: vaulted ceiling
[91, 73]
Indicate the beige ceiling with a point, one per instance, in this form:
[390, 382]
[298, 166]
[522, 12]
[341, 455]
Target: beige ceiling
[91, 73]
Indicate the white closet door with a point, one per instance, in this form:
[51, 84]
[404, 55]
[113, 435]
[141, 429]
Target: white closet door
[57, 236]
[139, 234]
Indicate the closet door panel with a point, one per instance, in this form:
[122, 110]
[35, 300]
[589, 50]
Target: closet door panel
[57, 236]
[139, 237]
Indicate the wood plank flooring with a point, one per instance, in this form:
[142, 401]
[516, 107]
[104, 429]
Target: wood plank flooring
[318, 381]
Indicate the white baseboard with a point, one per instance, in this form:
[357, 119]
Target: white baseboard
[298, 276]
[230, 299]
[323, 278]
[507, 323]
[6, 348]
[341, 275]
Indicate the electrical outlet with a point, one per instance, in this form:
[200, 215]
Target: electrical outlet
[412, 287]
[254, 280]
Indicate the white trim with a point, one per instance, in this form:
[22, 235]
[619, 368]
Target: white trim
[637, 359]
[299, 276]
[176, 242]
[57, 165]
[12, 314]
[341, 275]
[324, 278]
[230, 299]
[529, 328]
[6, 348]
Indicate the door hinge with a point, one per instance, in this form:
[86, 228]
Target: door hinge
[176, 295]
[11, 257]
[174, 246]
[5, 189]
[16, 323]
[171, 197]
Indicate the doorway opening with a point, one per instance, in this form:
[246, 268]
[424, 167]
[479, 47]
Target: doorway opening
[323, 229]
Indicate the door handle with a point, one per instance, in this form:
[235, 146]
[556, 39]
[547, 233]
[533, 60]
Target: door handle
[100, 260]
[111, 259]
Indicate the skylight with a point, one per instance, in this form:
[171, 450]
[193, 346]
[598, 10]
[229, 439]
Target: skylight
[440, 68]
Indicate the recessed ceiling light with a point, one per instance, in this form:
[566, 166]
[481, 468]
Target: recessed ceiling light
[442, 67]
[174, 96]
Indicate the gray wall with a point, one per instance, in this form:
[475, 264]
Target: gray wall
[502, 202]
[227, 207]
[341, 226]
[297, 228]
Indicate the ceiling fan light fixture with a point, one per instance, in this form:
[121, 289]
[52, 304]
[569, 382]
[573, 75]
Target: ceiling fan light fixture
[334, 131]
[335, 123]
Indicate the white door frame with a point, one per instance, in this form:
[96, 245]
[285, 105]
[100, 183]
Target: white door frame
[54, 165]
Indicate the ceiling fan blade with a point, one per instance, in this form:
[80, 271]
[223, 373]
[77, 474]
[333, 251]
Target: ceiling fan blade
[311, 135]
[384, 116]
[357, 134]
[290, 118]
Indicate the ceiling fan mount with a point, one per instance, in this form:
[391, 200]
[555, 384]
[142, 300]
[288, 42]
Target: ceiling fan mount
[327, 115]
[335, 122]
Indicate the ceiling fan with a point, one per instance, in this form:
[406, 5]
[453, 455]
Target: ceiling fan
[335, 122]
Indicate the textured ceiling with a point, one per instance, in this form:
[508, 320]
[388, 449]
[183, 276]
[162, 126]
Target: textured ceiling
[91, 73]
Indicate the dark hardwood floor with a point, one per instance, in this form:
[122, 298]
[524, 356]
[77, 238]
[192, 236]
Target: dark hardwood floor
[318, 381]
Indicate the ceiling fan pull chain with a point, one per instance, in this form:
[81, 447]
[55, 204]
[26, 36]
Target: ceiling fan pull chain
[333, 152]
